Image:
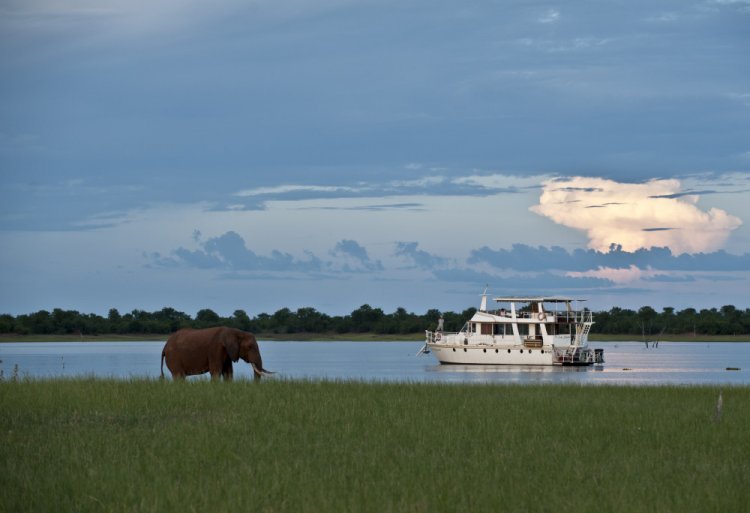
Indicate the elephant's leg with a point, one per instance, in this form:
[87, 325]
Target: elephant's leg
[226, 371]
[178, 372]
[216, 369]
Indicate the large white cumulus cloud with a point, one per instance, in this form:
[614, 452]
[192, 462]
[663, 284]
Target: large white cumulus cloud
[635, 215]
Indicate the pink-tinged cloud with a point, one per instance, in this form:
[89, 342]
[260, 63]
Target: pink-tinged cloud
[635, 215]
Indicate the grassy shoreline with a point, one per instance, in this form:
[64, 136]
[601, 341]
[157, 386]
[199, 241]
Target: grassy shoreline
[146, 445]
[361, 337]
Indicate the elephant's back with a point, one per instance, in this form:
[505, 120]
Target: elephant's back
[191, 338]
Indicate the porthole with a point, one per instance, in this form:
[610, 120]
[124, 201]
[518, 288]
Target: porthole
[521, 351]
[542, 351]
[464, 349]
[484, 350]
[508, 351]
[495, 351]
[529, 351]
[454, 349]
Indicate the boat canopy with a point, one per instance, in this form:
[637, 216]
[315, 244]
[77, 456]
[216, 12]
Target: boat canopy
[536, 299]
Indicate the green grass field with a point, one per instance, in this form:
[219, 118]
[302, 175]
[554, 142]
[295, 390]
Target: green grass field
[105, 445]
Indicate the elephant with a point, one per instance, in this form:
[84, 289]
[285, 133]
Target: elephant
[195, 351]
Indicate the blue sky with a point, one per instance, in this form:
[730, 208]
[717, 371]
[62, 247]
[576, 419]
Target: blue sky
[256, 155]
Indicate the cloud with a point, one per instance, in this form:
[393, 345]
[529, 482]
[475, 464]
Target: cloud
[373, 208]
[669, 278]
[356, 253]
[553, 266]
[540, 283]
[353, 249]
[229, 252]
[257, 198]
[420, 258]
[283, 190]
[627, 212]
[550, 16]
[522, 257]
[496, 183]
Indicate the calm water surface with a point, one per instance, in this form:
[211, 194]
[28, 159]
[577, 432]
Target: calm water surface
[626, 363]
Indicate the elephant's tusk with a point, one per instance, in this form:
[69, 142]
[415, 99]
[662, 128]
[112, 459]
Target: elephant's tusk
[260, 371]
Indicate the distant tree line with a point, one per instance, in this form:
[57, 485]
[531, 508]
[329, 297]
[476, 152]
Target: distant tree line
[727, 320]
[365, 319]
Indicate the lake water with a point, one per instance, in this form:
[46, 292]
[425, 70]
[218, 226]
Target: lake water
[626, 363]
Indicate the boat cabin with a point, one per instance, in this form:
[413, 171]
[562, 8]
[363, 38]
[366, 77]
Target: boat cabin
[531, 321]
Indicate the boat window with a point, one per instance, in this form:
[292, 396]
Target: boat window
[523, 329]
[486, 329]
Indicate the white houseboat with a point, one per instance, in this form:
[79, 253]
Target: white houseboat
[521, 331]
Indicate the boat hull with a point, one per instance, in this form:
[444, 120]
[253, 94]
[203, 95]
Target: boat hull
[498, 355]
[483, 355]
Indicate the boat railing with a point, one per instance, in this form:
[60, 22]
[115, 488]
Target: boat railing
[571, 317]
[578, 355]
[435, 337]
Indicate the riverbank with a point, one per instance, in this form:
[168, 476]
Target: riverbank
[685, 337]
[146, 445]
[363, 337]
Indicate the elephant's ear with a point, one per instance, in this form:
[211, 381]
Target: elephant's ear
[231, 342]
